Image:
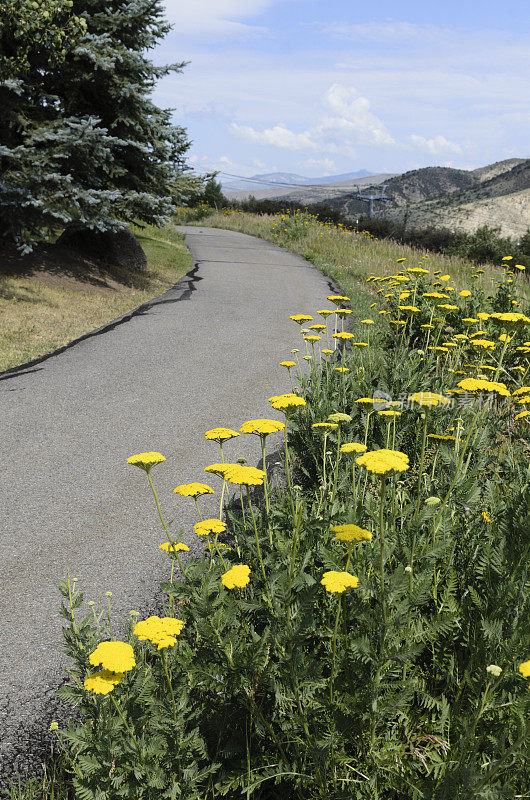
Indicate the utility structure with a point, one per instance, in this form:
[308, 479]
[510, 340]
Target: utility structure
[369, 198]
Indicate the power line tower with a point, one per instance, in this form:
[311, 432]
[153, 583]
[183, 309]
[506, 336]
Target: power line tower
[369, 198]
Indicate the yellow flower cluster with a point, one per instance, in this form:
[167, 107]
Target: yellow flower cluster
[338, 582]
[238, 576]
[383, 462]
[161, 631]
[351, 533]
[193, 489]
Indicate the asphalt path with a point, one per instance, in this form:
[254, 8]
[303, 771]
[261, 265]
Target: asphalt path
[204, 354]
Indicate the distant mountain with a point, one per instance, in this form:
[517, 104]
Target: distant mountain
[497, 195]
[287, 178]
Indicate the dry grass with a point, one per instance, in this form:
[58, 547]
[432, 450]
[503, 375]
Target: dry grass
[53, 296]
[350, 259]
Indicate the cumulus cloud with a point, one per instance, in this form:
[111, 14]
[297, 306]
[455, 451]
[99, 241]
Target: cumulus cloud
[278, 136]
[350, 123]
[436, 145]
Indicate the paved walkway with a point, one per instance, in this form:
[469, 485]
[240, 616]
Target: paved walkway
[204, 354]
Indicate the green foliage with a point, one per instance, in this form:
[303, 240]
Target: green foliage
[407, 686]
[81, 141]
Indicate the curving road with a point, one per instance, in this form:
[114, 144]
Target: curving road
[204, 354]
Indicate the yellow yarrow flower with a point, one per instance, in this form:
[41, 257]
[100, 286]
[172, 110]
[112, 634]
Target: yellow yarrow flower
[103, 682]
[338, 582]
[485, 344]
[325, 425]
[382, 462]
[176, 547]
[239, 576]
[208, 526]
[521, 390]
[351, 533]
[344, 335]
[262, 427]
[522, 415]
[288, 364]
[193, 489]
[389, 413]
[353, 447]
[429, 399]
[161, 631]
[324, 312]
[287, 403]
[113, 656]
[524, 669]
[245, 476]
[146, 460]
[300, 318]
[338, 417]
[220, 434]
[479, 385]
[219, 469]
[338, 298]
[465, 293]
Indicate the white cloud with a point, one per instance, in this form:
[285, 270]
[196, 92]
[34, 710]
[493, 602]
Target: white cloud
[353, 114]
[352, 123]
[211, 18]
[325, 164]
[278, 136]
[436, 145]
[378, 31]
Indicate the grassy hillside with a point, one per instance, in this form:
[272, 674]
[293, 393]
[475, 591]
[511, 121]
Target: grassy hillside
[54, 295]
[346, 257]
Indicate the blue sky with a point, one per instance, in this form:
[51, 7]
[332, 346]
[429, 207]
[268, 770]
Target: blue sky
[322, 87]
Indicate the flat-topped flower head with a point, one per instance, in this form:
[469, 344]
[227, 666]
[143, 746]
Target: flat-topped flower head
[441, 437]
[353, 447]
[208, 526]
[317, 327]
[339, 417]
[103, 682]
[193, 489]
[520, 267]
[176, 547]
[409, 309]
[341, 369]
[418, 270]
[436, 295]
[324, 425]
[351, 533]
[327, 351]
[484, 344]
[390, 412]
[287, 403]
[384, 462]
[399, 260]
[301, 318]
[521, 390]
[113, 656]
[483, 316]
[447, 306]
[524, 669]
[429, 399]
[146, 460]
[522, 415]
[288, 364]
[312, 338]
[480, 385]
[343, 312]
[262, 427]
[338, 582]
[218, 469]
[245, 476]
[343, 335]
[338, 298]
[370, 401]
[238, 576]
[221, 434]
[510, 319]
[465, 293]
[324, 312]
[161, 631]
[369, 321]
[427, 327]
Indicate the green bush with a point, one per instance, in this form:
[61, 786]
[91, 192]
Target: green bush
[381, 660]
